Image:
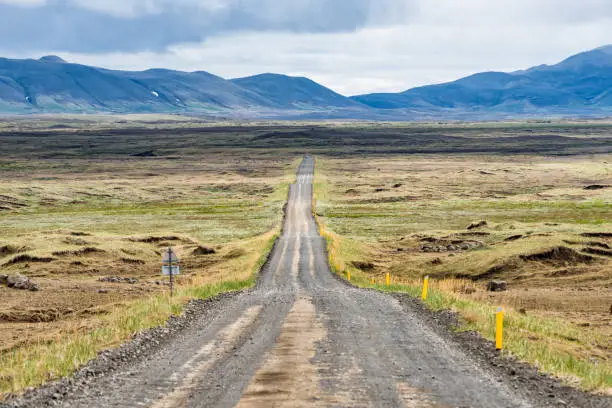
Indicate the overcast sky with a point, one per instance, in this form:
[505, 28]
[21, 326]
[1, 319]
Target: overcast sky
[352, 46]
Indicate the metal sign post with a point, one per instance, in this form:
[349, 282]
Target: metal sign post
[170, 258]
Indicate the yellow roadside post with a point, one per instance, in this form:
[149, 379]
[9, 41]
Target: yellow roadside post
[348, 275]
[372, 280]
[425, 287]
[388, 279]
[499, 328]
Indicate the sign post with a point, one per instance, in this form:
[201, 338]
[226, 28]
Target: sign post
[499, 328]
[168, 267]
[425, 287]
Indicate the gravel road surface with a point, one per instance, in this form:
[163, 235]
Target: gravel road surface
[300, 338]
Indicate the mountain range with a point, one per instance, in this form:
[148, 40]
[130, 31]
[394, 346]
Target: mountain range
[578, 86]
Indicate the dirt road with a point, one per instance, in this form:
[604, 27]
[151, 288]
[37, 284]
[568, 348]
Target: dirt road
[301, 338]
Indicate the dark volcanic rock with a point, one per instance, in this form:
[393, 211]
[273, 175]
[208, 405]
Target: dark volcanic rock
[202, 250]
[597, 187]
[497, 286]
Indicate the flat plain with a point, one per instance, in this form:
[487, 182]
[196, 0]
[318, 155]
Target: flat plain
[90, 198]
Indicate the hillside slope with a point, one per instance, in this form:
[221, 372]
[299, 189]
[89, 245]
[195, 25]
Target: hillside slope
[579, 83]
[295, 92]
[52, 85]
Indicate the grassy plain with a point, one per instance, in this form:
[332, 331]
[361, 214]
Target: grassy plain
[82, 198]
[545, 234]
[70, 216]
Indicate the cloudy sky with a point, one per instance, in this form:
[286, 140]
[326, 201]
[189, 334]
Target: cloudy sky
[352, 46]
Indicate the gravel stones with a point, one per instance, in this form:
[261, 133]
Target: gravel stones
[116, 279]
[18, 281]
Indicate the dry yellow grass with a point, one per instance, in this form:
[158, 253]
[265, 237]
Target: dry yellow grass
[65, 230]
[386, 211]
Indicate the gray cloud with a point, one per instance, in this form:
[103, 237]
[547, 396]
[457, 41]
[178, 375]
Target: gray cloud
[352, 46]
[129, 26]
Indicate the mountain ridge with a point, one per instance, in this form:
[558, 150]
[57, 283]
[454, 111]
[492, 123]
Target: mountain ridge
[578, 85]
[580, 81]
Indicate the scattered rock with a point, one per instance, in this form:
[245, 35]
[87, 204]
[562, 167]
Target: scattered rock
[80, 234]
[475, 225]
[133, 261]
[3, 279]
[21, 282]
[497, 286]
[116, 279]
[440, 245]
[486, 173]
[103, 291]
[202, 250]
[523, 311]
[75, 241]
[597, 187]
[436, 261]
[398, 185]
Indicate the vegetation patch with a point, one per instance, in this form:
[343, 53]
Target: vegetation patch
[559, 256]
[79, 252]
[24, 258]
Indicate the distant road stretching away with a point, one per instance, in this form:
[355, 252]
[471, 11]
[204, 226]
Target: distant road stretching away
[302, 338]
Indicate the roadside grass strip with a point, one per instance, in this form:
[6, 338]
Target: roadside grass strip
[550, 344]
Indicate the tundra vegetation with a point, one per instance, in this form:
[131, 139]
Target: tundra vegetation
[88, 203]
[89, 227]
[540, 223]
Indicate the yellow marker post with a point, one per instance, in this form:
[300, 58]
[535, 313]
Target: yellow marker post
[388, 279]
[348, 275]
[425, 287]
[499, 328]
[372, 281]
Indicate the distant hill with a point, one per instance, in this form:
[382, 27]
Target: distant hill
[580, 83]
[295, 92]
[578, 86]
[50, 84]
